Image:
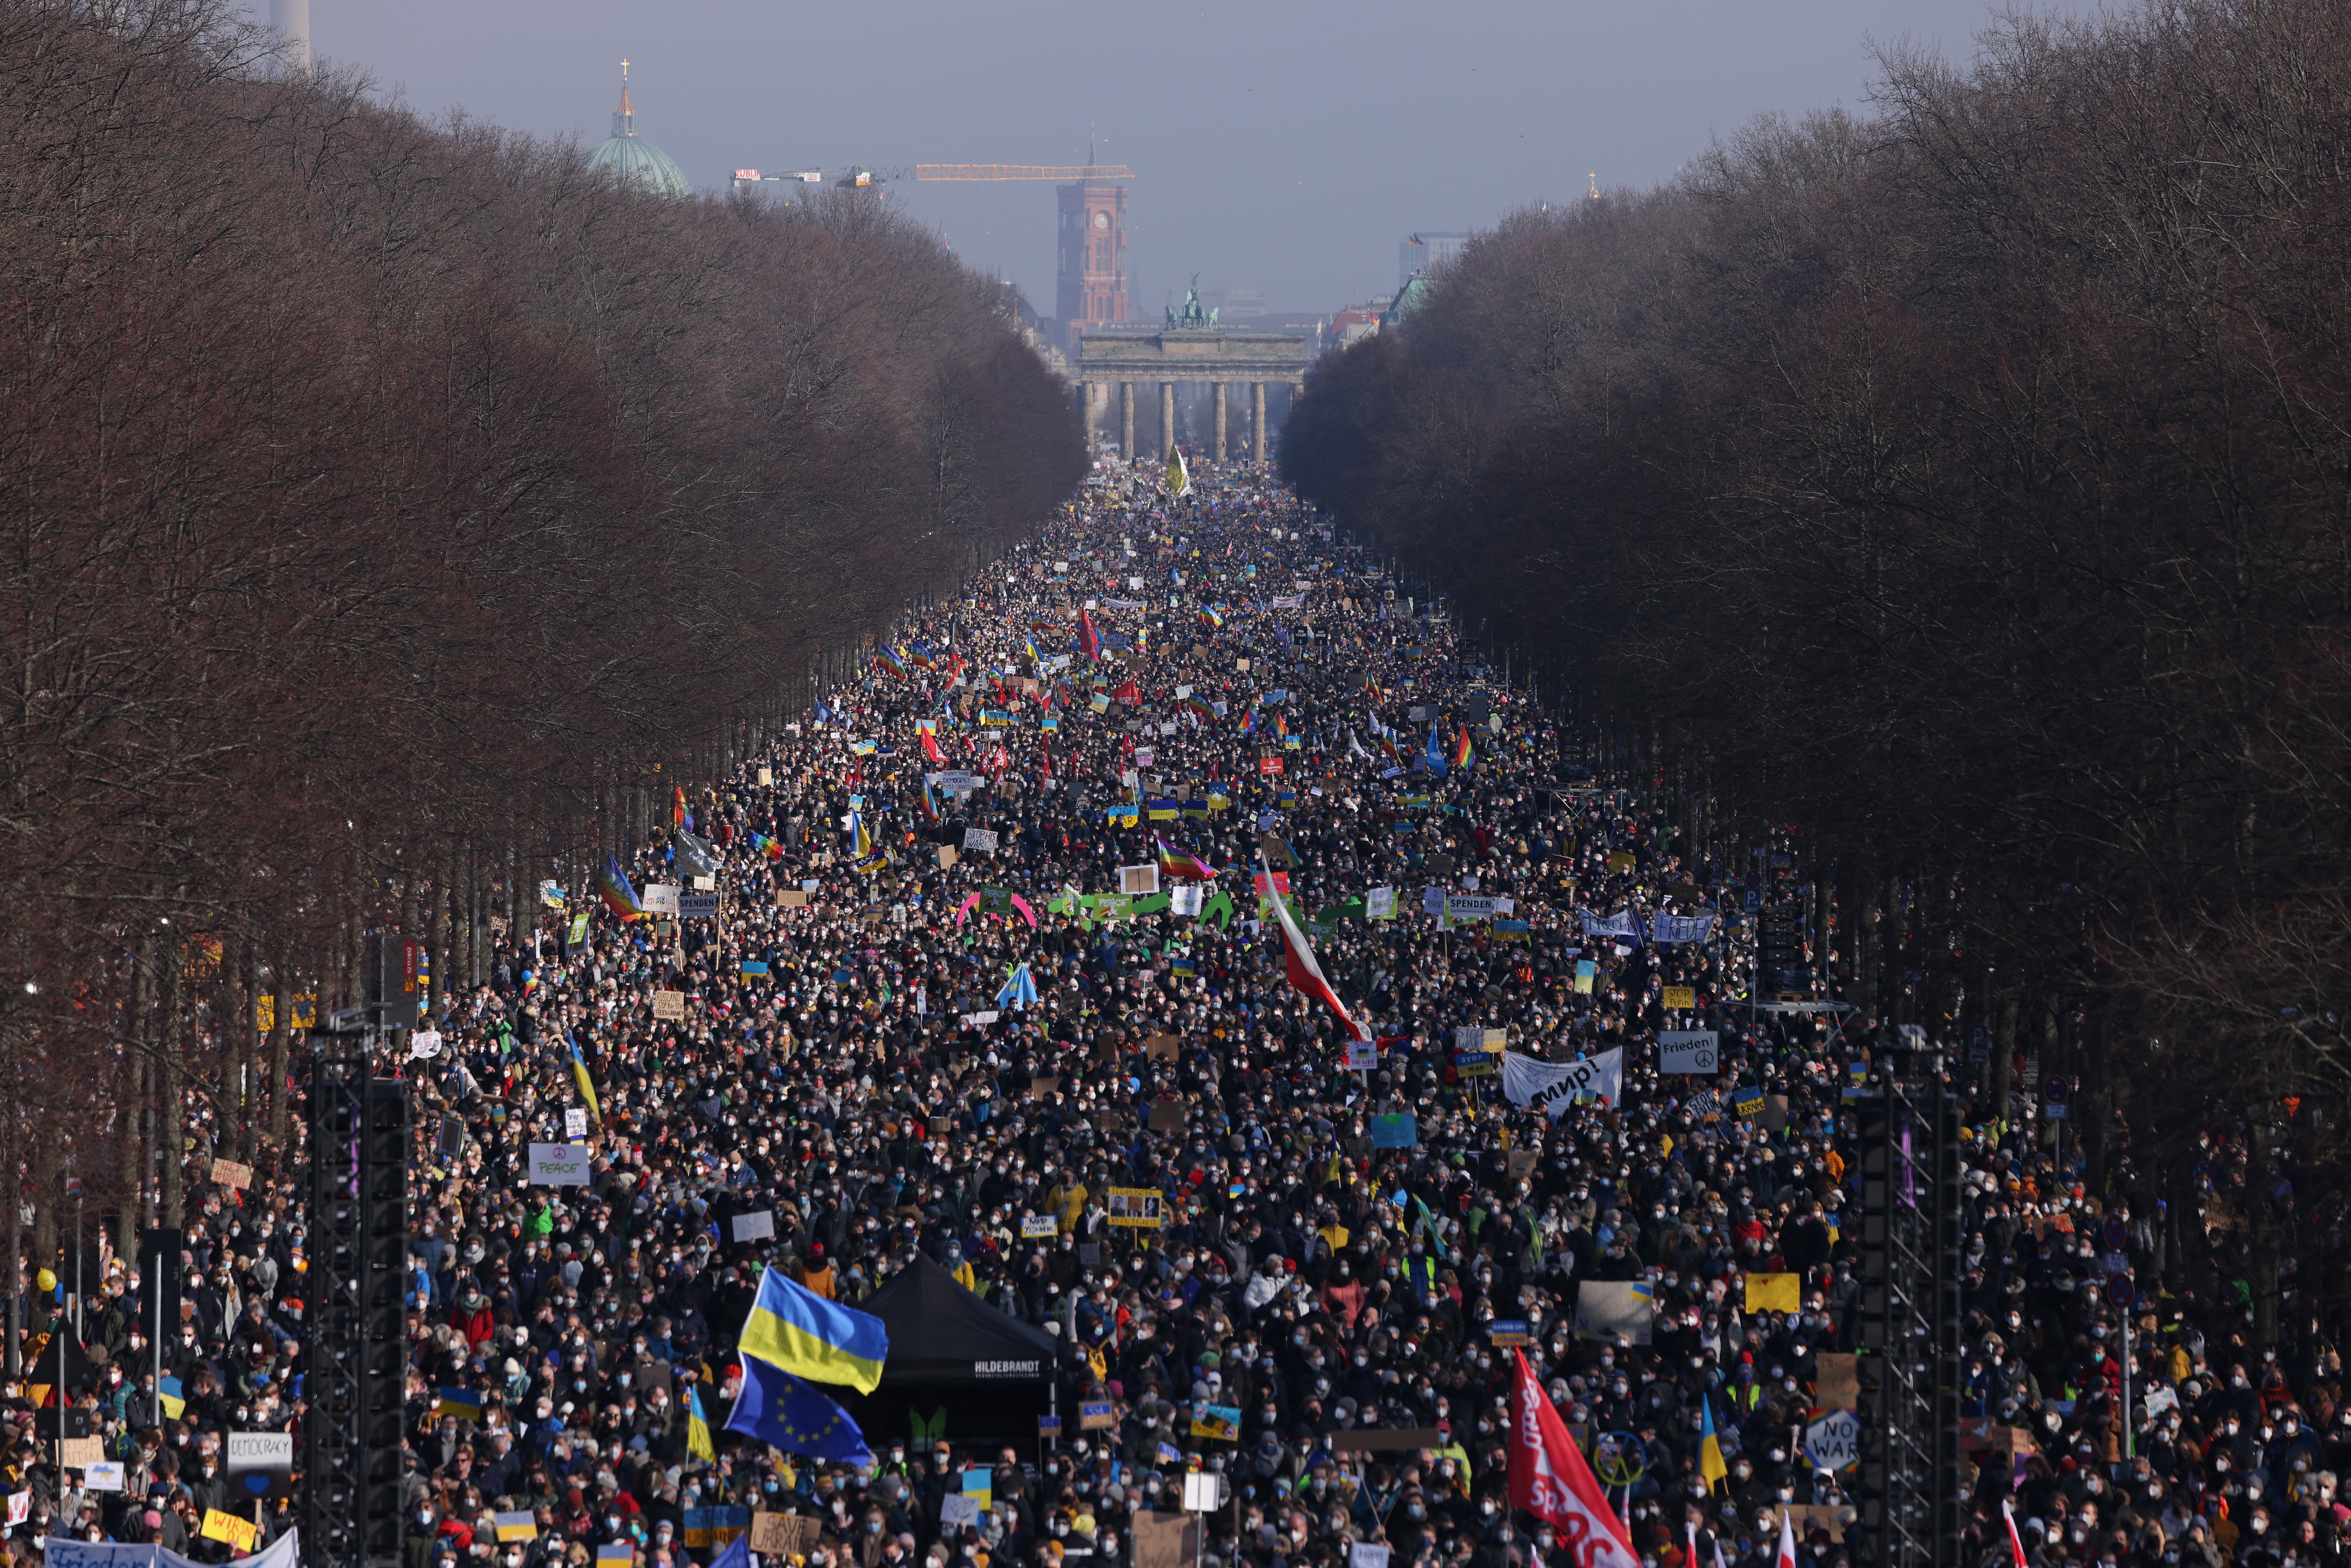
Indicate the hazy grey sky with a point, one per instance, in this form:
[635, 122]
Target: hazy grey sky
[1286, 147]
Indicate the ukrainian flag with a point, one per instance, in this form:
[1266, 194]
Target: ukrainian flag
[461, 1402]
[1711, 1467]
[793, 1327]
[587, 1087]
[698, 1429]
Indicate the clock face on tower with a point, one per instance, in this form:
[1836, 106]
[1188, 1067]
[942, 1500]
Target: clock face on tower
[1102, 220]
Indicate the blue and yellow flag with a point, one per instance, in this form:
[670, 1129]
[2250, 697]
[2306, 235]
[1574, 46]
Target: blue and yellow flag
[461, 1402]
[793, 1327]
[1711, 1467]
[720, 1525]
[697, 1427]
[587, 1084]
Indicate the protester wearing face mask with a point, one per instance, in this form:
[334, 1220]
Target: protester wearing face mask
[1304, 1279]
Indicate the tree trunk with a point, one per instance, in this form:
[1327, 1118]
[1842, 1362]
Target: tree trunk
[280, 1042]
[1867, 947]
[47, 1155]
[2261, 1217]
[169, 1083]
[140, 1128]
[16, 1241]
[2003, 1055]
[2095, 1106]
[436, 932]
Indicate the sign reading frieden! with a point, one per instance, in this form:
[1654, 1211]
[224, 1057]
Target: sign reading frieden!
[1686, 1050]
[1552, 1087]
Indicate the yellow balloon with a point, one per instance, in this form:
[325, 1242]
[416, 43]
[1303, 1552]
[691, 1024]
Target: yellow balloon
[45, 1280]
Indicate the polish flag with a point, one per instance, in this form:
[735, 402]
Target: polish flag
[1550, 1480]
[1787, 1538]
[1305, 975]
[2015, 1542]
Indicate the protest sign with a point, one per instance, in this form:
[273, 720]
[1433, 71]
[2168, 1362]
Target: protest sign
[1686, 1050]
[560, 1164]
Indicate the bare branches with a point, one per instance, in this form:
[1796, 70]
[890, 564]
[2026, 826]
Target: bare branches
[1970, 486]
[375, 487]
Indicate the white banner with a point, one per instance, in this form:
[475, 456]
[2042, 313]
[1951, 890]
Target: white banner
[62, 1551]
[1552, 1086]
[1687, 1050]
[1379, 904]
[1185, 898]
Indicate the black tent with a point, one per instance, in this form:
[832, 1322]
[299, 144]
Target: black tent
[958, 1369]
[941, 1332]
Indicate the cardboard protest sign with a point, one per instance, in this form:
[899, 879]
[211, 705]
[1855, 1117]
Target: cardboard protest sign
[560, 1164]
[1611, 1309]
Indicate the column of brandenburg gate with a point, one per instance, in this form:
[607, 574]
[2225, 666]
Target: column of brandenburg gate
[1192, 347]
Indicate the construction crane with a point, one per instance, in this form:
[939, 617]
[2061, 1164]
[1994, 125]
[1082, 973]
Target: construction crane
[1062, 173]
[858, 176]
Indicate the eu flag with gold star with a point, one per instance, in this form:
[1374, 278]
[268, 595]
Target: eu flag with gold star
[780, 1409]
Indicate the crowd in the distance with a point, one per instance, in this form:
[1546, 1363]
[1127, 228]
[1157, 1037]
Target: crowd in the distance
[1129, 678]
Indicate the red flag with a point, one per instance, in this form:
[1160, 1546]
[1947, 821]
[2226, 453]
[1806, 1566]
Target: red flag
[1550, 1480]
[931, 747]
[1305, 973]
[1089, 639]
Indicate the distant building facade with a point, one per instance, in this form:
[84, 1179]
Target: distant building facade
[1235, 304]
[1359, 320]
[1423, 251]
[1091, 287]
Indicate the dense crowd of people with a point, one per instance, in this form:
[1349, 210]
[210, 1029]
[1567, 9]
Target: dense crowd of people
[923, 1021]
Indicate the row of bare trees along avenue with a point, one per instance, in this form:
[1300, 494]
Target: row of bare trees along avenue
[1959, 489]
[396, 513]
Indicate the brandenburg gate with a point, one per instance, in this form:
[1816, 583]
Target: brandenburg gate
[1192, 347]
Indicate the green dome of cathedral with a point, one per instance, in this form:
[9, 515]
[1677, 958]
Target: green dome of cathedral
[635, 160]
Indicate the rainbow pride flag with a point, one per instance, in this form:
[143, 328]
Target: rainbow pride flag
[1182, 865]
[620, 898]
